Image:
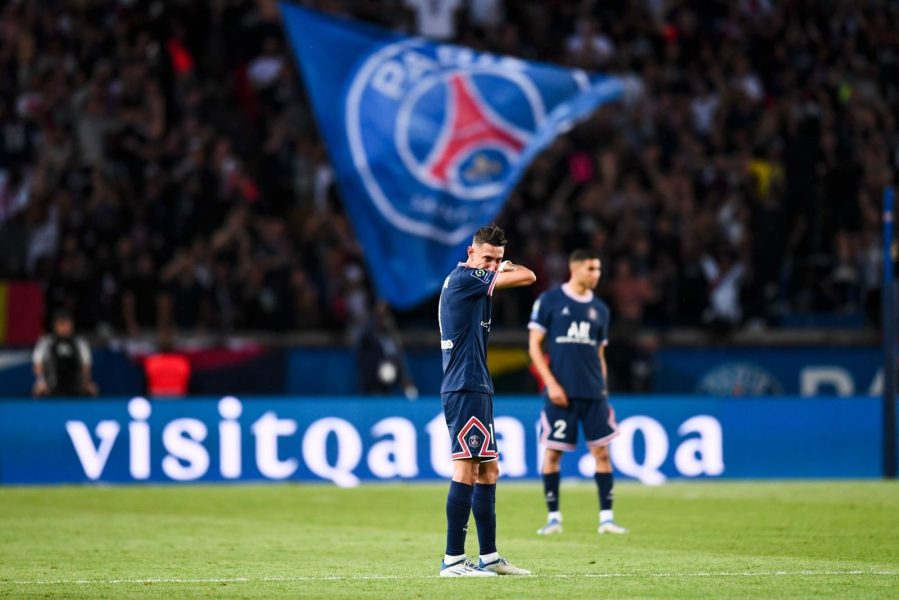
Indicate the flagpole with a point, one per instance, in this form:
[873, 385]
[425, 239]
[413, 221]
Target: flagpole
[888, 301]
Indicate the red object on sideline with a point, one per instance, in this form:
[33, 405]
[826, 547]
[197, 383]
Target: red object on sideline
[167, 374]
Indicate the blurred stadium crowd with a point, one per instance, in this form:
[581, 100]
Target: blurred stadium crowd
[160, 166]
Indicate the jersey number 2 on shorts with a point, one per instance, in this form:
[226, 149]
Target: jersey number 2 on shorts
[559, 429]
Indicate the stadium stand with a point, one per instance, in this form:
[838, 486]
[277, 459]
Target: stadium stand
[160, 167]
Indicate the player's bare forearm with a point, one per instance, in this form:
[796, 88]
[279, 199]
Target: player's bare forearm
[555, 391]
[535, 351]
[512, 275]
[603, 367]
[90, 388]
[40, 384]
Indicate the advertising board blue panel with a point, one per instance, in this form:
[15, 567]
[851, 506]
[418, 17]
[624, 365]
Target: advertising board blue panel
[113, 372]
[350, 440]
[334, 371]
[804, 371]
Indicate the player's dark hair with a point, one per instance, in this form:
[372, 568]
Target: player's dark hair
[491, 234]
[582, 254]
[62, 314]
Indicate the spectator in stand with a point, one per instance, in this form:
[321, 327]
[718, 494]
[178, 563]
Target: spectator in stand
[765, 125]
[435, 20]
[62, 361]
[380, 357]
[631, 293]
[723, 272]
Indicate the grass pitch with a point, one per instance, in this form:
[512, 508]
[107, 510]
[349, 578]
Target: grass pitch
[687, 540]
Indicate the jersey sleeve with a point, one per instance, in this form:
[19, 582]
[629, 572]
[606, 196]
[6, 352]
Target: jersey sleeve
[603, 333]
[84, 352]
[476, 282]
[40, 350]
[540, 313]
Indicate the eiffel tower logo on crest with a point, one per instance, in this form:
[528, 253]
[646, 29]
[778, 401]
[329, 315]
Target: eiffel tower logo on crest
[461, 152]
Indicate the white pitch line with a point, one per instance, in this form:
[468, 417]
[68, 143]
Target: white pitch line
[300, 578]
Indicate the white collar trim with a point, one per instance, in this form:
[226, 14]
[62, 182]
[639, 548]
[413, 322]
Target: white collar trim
[566, 289]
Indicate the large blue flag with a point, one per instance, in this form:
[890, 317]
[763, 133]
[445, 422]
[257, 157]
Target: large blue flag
[428, 139]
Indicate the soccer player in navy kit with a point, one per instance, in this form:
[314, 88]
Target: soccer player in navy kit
[467, 392]
[577, 326]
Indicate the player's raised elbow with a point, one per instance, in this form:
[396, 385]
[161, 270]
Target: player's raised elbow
[520, 277]
[528, 277]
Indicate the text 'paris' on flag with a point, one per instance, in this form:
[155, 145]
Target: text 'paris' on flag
[428, 139]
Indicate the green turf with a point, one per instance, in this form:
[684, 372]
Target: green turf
[687, 540]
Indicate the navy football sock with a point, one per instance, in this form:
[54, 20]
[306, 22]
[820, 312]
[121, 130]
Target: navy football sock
[605, 483]
[551, 491]
[458, 509]
[483, 505]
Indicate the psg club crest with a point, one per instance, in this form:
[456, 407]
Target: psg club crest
[437, 132]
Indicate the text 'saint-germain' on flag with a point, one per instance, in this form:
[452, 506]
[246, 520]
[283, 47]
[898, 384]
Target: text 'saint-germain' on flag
[428, 139]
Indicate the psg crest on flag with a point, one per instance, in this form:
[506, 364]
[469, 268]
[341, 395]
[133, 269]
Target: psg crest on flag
[450, 120]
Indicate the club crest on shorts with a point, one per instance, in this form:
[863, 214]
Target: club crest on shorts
[474, 440]
[437, 131]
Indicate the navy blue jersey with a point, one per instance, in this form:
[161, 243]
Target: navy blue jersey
[464, 318]
[575, 328]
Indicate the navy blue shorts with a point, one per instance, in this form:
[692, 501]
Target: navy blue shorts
[469, 418]
[558, 425]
